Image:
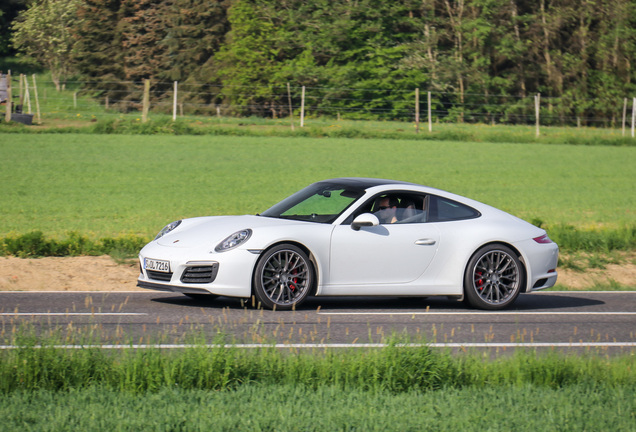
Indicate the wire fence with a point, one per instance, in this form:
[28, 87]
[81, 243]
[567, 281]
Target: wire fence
[304, 102]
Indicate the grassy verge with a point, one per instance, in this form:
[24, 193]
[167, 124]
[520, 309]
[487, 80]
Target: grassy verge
[40, 362]
[299, 408]
[394, 388]
[60, 115]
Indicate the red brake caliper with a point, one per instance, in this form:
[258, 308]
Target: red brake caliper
[480, 282]
[294, 281]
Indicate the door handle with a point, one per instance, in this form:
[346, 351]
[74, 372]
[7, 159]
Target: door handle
[425, 242]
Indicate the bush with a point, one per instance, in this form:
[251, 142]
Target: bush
[593, 240]
[35, 244]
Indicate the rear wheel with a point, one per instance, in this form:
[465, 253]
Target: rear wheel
[494, 277]
[283, 277]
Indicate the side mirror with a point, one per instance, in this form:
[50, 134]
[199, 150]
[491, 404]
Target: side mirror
[365, 220]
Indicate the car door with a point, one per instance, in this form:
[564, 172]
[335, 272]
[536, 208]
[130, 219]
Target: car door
[384, 254]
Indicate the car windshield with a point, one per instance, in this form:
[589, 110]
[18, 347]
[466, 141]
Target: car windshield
[320, 202]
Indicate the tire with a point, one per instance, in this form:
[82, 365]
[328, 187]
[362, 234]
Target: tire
[494, 277]
[283, 277]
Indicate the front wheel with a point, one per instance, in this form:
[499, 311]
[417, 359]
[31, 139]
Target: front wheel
[494, 277]
[283, 277]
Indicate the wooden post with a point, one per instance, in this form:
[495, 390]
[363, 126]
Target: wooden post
[537, 102]
[146, 101]
[218, 111]
[624, 114]
[430, 117]
[27, 96]
[174, 103]
[75, 100]
[21, 93]
[107, 103]
[291, 113]
[417, 110]
[37, 101]
[7, 117]
[302, 108]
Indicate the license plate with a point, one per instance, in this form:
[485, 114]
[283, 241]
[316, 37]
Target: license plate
[157, 265]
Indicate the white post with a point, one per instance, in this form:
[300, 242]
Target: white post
[174, 103]
[537, 103]
[624, 114]
[633, 116]
[430, 118]
[302, 108]
[75, 100]
[417, 110]
[37, 101]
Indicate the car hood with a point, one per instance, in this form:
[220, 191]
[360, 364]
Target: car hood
[211, 230]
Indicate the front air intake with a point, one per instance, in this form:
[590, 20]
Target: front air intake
[200, 274]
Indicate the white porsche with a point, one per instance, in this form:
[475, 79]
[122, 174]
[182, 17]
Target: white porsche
[355, 236]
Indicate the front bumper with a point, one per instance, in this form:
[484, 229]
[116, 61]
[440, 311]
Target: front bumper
[227, 274]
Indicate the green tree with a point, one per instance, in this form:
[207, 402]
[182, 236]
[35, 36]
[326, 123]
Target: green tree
[43, 32]
[98, 54]
[9, 9]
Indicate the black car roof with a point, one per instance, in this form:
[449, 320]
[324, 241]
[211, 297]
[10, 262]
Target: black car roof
[365, 183]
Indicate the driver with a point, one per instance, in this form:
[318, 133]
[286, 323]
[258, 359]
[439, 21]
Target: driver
[387, 210]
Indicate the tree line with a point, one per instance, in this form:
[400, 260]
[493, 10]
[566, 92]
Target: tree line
[577, 54]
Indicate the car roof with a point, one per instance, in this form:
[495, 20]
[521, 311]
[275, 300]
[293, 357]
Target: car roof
[366, 183]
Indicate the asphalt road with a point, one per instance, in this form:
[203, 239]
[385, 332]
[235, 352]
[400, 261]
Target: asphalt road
[579, 321]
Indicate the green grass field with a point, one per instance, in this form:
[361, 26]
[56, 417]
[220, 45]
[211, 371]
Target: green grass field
[394, 388]
[298, 408]
[105, 185]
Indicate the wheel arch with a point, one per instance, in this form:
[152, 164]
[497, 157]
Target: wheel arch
[305, 249]
[511, 247]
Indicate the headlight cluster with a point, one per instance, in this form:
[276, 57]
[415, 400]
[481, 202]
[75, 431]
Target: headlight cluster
[234, 240]
[171, 226]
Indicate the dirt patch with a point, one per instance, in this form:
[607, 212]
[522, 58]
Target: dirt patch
[104, 274]
[67, 274]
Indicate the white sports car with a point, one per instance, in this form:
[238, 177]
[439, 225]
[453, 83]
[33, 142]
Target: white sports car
[355, 236]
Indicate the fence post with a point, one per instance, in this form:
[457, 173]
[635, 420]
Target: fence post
[174, 103]
[21, 92]
[146, 101]
[430, 118]
[7, 117]
[417, 110]
[37, 101]
[27, 95]
[302, 108]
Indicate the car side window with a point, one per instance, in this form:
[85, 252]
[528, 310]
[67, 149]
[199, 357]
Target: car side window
[444, 209]
[396, 208]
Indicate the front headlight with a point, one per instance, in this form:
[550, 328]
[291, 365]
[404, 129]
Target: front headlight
[171, 226]
[234, 240]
